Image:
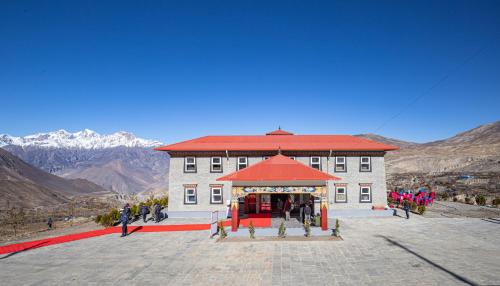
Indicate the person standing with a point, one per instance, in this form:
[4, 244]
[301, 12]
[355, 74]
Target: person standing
[287, 207]
[49, 222]
[279, 205]
[307, 212]
[144, 212]
[406, 207]
[124, 220]
[157, 212]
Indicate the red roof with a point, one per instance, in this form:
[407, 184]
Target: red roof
[279, 132]
[287, 142]
[278, 168]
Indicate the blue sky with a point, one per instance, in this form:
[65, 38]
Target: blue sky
[174, 70]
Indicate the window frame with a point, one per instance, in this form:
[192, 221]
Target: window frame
[186, 164]
[311, 162]
[212, 165]
[345, 165]
[186, 195]
[361, 193]
[238, 163]
[345, 194]
[212, 188]
[369, 163]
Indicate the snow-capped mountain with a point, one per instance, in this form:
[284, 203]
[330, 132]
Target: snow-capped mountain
[85, 139]
[118, 162]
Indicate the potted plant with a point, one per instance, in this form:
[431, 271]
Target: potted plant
[307, 228]
[282, 230]
[222, 231]
[336, 230]
[317, 220]
[251, 230]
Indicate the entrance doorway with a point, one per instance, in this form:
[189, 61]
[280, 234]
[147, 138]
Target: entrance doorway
[270, 203]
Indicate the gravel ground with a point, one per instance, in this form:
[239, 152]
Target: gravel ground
[458, 210]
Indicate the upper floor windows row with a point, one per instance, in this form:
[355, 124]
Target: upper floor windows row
[365, 164]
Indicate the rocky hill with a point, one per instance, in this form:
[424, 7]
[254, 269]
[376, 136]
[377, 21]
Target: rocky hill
[24, 185]
[476, 150]
[119, 162]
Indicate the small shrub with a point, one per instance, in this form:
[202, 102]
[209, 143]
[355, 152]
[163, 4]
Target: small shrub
[134, 210]
[114, 214]
[222, 231]
[481, 200]
[98, 219]
[164, 201]
[251, 229]
[282, 230]
[496, 201]
[413, 206]
[337, 228]
[455, 199]
[421, 210]
[467, 200]
[307, 228]
[390, 201]
[444, 196]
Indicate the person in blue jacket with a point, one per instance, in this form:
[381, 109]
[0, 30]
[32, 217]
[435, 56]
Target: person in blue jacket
[124, 221]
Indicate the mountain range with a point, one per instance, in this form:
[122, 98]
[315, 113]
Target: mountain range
[23, 185]
[476, 150]
[122, 163]
[119, 162]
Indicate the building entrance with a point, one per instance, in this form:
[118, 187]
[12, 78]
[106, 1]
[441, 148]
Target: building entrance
[274, 204]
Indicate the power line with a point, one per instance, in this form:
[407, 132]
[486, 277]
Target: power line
[435, 85]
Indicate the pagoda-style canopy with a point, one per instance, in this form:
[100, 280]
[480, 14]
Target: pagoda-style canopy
[278, 168]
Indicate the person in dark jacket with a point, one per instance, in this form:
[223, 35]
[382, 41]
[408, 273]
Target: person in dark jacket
[124, 220]
[49, 223]
[144, 212]
[157, 212]
[406, 207]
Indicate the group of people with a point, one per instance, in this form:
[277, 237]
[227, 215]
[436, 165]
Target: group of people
[421, 198]
[144, 211]
[305, 212]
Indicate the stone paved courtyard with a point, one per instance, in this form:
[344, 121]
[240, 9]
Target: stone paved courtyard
[375, 251]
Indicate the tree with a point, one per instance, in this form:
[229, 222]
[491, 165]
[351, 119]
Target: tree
[481, 200]
[16, 218]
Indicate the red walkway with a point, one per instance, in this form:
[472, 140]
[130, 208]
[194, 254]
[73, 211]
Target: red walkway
[23, 246]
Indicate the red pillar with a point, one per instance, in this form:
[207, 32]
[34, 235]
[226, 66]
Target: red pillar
[234, 218]
[324, 218]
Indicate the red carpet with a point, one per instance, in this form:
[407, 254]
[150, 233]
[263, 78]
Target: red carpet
[259, 221]
[23, 246]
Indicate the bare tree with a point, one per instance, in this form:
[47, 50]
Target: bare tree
[16, 218]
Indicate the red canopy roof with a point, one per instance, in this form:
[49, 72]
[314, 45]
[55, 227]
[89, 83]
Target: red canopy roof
[278, 168]
[286, 142]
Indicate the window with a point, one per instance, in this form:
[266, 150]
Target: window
[365, 195]
[216, 195]
[190, 165]
[340, 194]
[190, 195]
[216, 164]
[316, 163]
[365, 164]
[242, 163]
[340, 164]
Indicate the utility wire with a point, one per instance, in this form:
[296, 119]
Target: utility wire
[435, 85]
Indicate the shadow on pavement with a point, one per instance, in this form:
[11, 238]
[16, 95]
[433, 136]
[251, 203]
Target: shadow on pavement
[491, 220]
[456, 276]
[26, 249]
